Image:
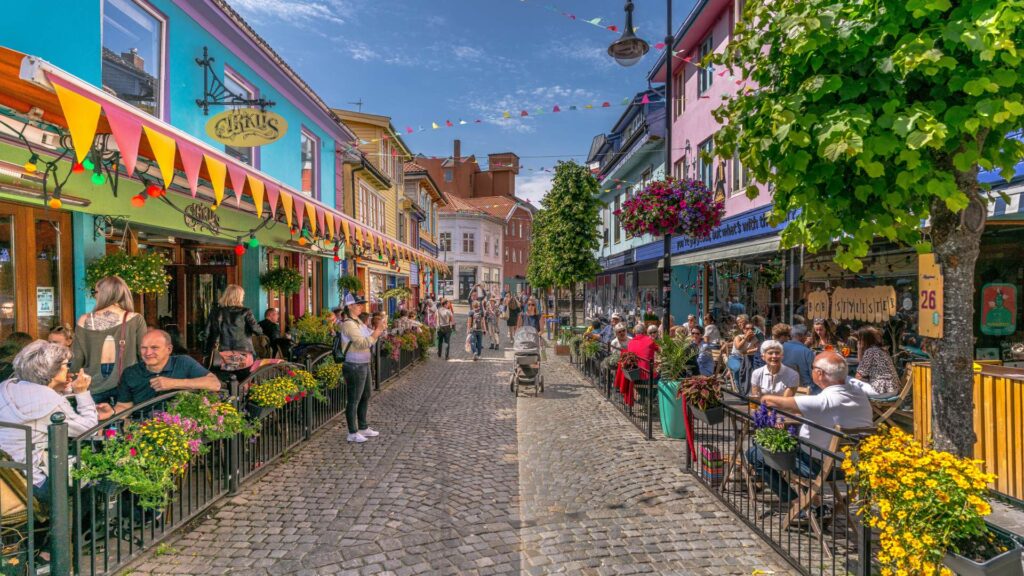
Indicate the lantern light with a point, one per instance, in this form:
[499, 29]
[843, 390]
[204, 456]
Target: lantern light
[154, 191]
[337, 258]
[302, 241]
[55, 203]
[30, 166]
[138, 201]
[87, 164]
[98, 178]
[77, 168]
[253, 242]
[240, 249]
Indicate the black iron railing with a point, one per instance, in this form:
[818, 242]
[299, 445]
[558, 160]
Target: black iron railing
[636, 399]
[802, 509]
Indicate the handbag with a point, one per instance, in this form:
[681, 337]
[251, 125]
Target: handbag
[469, 347]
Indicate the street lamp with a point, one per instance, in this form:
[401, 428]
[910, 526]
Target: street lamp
[628, 50]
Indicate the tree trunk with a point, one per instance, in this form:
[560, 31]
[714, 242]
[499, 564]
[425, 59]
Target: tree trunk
[952, 356]
[572, 304]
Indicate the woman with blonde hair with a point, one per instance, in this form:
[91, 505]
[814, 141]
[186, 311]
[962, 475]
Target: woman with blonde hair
[108, 338]
[229, 332]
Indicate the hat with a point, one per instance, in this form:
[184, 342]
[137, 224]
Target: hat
[616, 315]
[350, 300]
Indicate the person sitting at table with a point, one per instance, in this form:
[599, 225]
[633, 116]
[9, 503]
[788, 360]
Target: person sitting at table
[703, 363]
[876, 367]
[822, 336]
[712, 335]
[794, 353]
[621, 339]
[157, 373]
[774, 378]
[745, 356]
[839, 403]
[279, 343]
[644, 347]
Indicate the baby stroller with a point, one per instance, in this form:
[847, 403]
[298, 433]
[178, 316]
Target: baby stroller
[526, 352]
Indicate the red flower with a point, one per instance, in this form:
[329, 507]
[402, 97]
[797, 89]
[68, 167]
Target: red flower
[133, 452]
[302, 395]
[287, 398]
[291, 373]
[109, 433]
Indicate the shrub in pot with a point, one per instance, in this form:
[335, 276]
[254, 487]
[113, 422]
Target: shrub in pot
[590, 348]
[777, 444]
[562, 344]
[703, 394]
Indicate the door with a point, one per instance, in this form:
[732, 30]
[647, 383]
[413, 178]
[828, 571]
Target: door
[203, 286]
[466, 282]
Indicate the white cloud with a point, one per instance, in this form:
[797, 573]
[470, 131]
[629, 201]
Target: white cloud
[533, 186]
[297, 12]
[591, 54]
[468, 53]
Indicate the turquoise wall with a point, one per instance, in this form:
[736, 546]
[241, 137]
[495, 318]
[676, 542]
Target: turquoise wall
[685, 300]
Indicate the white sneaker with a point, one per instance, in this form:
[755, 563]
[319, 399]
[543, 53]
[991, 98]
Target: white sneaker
[369, 433]
[356, 437]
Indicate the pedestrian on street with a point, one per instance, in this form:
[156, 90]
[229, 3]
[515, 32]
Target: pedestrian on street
[476, 325]
[108, 338]
[513, 307]
[532, 316]
[491, 317]
[355, 343]
[445, 328]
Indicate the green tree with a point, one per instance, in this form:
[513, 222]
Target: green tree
[538, 269]
[871, 116]
[570, 227]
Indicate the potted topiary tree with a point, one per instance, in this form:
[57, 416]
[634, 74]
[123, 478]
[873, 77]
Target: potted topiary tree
[703, 395]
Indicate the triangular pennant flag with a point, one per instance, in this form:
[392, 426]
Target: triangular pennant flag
[506, 115]
[237, 174]
[606, 105]
[127, 130]
[311, 212]
[82, 115]
[363, 141]
[595, 21]
[191, 162]
[556, 109]
[358, 234]
[256, 189]
[286, 206]
[329, 221]
[409, 130]
[524, 113]
[300, 211]
[572, 108]
[163, 152]
[589, 106]
[722, 73]
[659, 46]
[434, 125]
[345, 230]
[645, 100]
[626, 101]
[217, 171]
[272, 192]
[613, 28]
[462, 122]
[448, 123]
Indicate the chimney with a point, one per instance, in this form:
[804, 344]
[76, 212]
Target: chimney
[457, 156]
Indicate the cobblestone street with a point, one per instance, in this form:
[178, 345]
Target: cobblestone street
[466, 480]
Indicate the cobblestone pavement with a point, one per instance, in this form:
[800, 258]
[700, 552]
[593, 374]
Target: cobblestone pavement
[465, 479]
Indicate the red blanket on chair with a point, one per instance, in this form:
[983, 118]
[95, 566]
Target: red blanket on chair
[644, 347]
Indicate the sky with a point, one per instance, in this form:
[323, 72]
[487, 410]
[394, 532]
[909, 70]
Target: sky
[427, 61]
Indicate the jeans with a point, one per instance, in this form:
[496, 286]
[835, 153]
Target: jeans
[358, 384]
[444, 337]
[806, 467]
[476, 342]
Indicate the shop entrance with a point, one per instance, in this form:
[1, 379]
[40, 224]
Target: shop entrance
[203, 286]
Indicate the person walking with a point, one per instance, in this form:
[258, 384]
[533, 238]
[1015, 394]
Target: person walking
[229, 332]
[491, 316]
[476, 325]
[532, 316]
[445, 329]
[354, 355]
[108, 338]
[512, 305]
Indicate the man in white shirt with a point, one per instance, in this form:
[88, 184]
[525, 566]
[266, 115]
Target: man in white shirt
[839, 403]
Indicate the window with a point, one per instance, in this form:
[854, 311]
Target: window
[133, 59]
[239, 88]
[310, 164]
[370, 208]
[646, 177]
[707, 73]
[739, 175]
[678, 95]
[468, 242]
[497, 247]
[513, 256]
[446, 242]
[506, 254]
[520, 229]
[448, 175]
[677, 169]
[615, 220]
[520, 256]
[487, 246]
[401, 228]
[705, 167]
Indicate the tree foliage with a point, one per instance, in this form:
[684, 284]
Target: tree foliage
[569, 235]
[539, 266]
[870, 116]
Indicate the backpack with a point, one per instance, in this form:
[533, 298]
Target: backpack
[339, 353]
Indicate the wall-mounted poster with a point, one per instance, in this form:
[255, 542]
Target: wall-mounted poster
[998, 309]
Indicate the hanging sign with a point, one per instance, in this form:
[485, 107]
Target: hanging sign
[245, 127]
[929, 305]
[998, 309]
[817, 305]
[875, 304]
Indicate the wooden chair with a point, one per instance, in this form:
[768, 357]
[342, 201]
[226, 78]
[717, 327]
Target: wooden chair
[810, 491]
[15, 498]
[885, 408]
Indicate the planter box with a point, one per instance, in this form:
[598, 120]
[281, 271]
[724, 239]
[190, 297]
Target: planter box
[258, 412]
[711, 416]
[561, 349]
[670, 409]
[633, 374]
[1006, 564]
[781, 461]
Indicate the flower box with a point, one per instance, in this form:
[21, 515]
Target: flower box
[711, 416]
[1005, 564]
[258, 412]
[781, 461]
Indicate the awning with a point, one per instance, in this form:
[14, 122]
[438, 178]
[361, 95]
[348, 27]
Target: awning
[749, 248]
[1008, 208]
[28, 83]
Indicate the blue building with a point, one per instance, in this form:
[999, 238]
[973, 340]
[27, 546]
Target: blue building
[106, 146]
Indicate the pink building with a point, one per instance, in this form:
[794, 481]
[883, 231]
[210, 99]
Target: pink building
[696, 92]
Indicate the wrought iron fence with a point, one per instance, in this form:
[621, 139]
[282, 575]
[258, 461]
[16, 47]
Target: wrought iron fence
[95, 528]
[798, 503]
[635, 399]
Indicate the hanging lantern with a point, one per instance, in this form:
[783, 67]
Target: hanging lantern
[337, 258]
[98, 178]
[253, 242]
[55, 203]
[302, 241]
[239, 249]
[138, 201]
[87, 164]
[154, 191]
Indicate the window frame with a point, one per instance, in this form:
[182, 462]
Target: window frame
[706, 76]
[253, 92]
[679, 94]
[445, 241]
[706, 169]
[740, 175]
[469, 239]
[163, 93]
[315, 180]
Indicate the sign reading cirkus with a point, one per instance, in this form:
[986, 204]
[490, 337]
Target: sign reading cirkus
[245, 127]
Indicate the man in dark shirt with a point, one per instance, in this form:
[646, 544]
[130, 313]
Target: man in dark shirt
[272, 330]
[157, 373]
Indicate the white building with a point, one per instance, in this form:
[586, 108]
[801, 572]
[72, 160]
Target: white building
[470, 242]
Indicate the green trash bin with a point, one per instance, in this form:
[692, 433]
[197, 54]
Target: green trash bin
[671, 410]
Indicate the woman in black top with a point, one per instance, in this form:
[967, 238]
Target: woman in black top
[229, 330]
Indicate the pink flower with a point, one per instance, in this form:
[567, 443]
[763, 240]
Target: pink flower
[133, 452]
[109, 433]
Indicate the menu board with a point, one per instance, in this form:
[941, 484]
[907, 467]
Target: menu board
[930, 311]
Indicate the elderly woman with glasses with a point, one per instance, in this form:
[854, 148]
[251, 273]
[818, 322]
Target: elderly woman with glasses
[774, 378]
[35, 393]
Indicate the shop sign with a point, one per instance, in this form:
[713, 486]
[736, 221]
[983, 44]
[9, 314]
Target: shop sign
[44, 300]
[998, 309]
[747, 226]
[875, 304]
[200, 217]
[817, 305]
[929, 303]
[245, 127]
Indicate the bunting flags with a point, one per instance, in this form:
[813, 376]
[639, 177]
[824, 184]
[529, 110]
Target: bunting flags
[286, 205]
[163, 152]
[300, 210]
[82, 115]
[191, 162]
[217, 171]
[272, 192]
[237, 175]
[256, 189]
[127, 131]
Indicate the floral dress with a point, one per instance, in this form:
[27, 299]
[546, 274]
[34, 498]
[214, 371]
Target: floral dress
[877, 369]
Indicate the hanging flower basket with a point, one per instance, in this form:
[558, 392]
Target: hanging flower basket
[144, 273]
[284, 280]
[678, 207]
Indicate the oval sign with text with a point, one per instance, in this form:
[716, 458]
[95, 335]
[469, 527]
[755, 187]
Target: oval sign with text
[245, 127]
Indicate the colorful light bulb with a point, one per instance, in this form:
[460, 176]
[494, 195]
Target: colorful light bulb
[337, 258]
[138, 201]
[98, 178]
[30, 166]
[87, 164]
[154, 191]
[55, 203]
[254, 243]
[77, 168]
[302, 241]
[239, 249]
